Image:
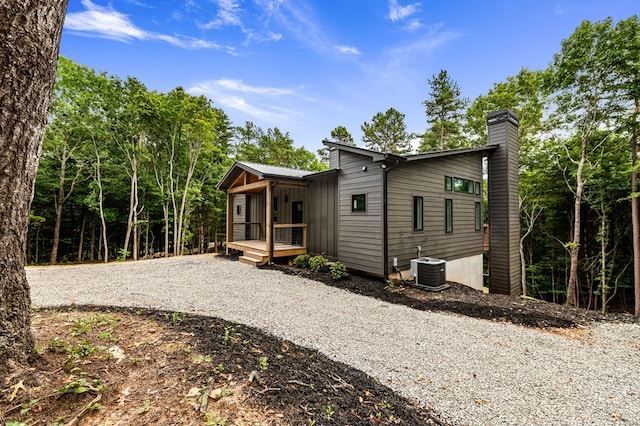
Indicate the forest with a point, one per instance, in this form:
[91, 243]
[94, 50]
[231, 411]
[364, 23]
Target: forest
[130, 173]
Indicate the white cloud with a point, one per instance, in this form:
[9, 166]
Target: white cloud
[228, 15]
[413, 25]
[348, 50]
[400, 13]
[239, 86]
[258, 102]
[105, 22]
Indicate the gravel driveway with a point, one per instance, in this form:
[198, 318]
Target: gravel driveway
[471, 371]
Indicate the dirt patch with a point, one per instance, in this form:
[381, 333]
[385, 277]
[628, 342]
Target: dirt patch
[111, 366]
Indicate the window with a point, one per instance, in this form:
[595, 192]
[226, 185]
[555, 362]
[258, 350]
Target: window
[463, 185]
[478, 216]
[477, 188]
[448, 215]
[238, 209]
[275, 209]
[448, 183]
[359, 203]
[418, 213]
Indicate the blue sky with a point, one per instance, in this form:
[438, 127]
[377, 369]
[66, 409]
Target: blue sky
[307, 66]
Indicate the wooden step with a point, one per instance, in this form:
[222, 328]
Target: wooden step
[253, 258]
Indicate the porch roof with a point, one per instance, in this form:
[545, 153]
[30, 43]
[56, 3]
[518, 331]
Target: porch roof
[261, 171]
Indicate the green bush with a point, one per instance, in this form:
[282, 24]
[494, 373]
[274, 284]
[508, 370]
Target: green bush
[302, 261]
[338, 271]
[317, 264]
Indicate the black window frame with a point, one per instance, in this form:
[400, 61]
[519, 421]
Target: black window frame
[356, 199]
[463, 186]
[448, 215]
[238, 209]
[478, 188]
[478, 215]
[448, 183]
[418, 213]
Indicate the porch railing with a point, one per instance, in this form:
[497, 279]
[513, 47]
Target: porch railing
[284, 233]
[291, 233]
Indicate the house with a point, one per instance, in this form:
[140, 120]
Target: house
[374, 210]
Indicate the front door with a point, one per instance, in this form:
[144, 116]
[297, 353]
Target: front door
[297, 216]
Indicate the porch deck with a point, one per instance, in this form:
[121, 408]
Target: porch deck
[260, 247]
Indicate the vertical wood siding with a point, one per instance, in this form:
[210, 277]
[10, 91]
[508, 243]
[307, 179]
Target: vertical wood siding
[360, 234]
[239, 230]
[504, 221]
[322, 217]
[425, 179]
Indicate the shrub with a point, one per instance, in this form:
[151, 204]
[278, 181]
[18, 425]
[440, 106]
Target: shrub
[338, 271]
[317, 263]
[302, 261]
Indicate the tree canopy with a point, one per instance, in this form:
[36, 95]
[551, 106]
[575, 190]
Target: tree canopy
[387, 132]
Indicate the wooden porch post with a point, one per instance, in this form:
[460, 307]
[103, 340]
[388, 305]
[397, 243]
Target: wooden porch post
[269, 224]
[229, 220]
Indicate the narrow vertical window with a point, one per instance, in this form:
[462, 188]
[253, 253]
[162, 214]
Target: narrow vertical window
[478, 216]
[275, 209]
[238, 209]
[359, 203]
[448, 215]
[418, 213]
[478, 188]
[448, 183]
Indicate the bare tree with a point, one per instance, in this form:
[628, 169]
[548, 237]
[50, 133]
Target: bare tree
[30, 32]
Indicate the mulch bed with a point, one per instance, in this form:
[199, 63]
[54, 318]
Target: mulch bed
[463, 300]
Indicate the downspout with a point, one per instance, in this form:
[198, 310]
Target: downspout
[385, 238]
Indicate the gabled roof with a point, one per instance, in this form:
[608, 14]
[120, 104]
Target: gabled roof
[263, 171]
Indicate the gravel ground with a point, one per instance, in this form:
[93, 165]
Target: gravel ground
[470, 371]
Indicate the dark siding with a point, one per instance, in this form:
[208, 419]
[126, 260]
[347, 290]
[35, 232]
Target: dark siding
[239, 232]
[426, 179]
[333, 159]
[322, 222]
[360, 234]
[504, 221]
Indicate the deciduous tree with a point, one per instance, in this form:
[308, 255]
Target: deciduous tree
[585, 100]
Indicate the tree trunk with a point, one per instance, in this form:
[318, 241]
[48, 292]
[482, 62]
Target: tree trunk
[603, 255]
[635, 216]
[59, 205]
[29, 39]
[132, 208]
[572, 286]
[92, 242]
[165, 212]
[81, 242]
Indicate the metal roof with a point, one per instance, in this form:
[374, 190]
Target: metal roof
[262, 171]
[449, 152]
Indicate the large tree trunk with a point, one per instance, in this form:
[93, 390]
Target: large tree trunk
[30, 33]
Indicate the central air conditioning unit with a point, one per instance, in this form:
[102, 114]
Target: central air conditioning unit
[429, 273]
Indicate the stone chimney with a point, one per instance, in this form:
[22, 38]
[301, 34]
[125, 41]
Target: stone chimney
[504, 209]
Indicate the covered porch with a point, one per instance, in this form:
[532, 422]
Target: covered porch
[265, 212]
